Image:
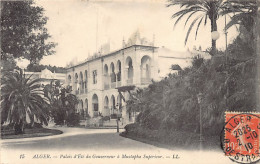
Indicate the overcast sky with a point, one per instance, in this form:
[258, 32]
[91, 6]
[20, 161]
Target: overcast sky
[79, 26]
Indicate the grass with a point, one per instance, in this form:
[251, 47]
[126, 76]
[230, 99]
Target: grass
[29, 133]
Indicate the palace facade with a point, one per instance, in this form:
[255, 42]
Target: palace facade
[103, 83]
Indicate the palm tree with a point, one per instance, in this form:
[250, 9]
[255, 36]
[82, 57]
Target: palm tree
[246, 15]
[21, 97]
[203, 10]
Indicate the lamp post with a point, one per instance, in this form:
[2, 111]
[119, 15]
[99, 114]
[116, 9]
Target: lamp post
[22, 64]
[199, 96]
[117, 119]
[225, 31]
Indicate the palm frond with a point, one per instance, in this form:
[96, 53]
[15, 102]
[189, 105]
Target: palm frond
[189, 18]
[198, 27]
[190, 28]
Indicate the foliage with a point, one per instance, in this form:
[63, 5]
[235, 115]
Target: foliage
[21, 96]
[23, 32]
[8, 64]
[227, 82]
[63, 103]
[39, 68]
[175, 67]
[199, 11]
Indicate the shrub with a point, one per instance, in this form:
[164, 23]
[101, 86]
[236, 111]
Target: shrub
[73, 119]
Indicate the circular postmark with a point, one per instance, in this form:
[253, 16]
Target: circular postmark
[240, 139]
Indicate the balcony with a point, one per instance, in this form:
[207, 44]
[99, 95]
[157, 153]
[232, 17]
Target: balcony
[129, 81]
[119, 84]
[113, 85]
[106, 86]
[86, 90]
[146, 80]
[81, 91]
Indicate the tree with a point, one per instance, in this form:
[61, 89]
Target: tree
[63, 103]
[23, 32]
[21, 96]
[204, 10]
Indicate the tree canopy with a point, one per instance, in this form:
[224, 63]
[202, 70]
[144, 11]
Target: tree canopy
[199, 11]
[22, 96]
[23, 31]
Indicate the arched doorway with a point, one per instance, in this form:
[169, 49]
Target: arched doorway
[95, 105]
[106, 111]
[81, 109]
[86, 107]
[145, 70]
[113, 104]
[119, 103]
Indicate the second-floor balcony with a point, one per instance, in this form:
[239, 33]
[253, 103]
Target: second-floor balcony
[106, 86]
[86, 90]
[129, 81]
[146, 80]
[81, 91]
[113, 85]
[118, 84]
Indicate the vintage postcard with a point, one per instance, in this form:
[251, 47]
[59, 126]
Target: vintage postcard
[130, 81]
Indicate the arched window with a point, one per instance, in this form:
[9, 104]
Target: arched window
[146, 69]
[81, 82]
[118, 73]
[106, 77]
[130, 70]
[86, 81]
[95, 105]
[69, 80]
[106, 107]
[112, 75]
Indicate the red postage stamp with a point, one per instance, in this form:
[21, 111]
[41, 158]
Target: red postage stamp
[242, 136]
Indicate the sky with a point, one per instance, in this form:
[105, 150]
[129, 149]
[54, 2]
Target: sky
[80, 27]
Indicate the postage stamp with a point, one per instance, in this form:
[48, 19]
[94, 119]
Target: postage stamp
[241, 140]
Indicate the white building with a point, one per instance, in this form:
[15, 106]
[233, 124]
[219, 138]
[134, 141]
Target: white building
[102, 82]
[47, 76]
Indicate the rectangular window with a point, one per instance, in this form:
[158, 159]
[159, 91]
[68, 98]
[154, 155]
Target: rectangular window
[95, 77]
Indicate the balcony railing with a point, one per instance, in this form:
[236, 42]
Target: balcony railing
[86, 90]
[129, 81]
[106, 86]
[113, 85]
[118, 84]
[81, 91]
[146, 80]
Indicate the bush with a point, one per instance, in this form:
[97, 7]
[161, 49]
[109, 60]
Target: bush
[34, 126]
[73, 119]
